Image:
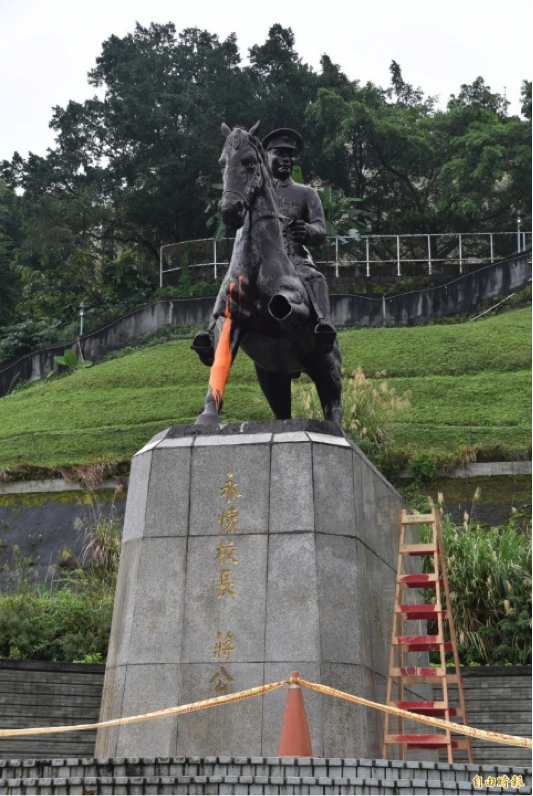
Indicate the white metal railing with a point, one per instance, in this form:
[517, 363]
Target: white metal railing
[467, 248]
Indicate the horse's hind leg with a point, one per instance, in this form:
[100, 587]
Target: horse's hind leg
[326, 374]
[225, 352]
[276, 388]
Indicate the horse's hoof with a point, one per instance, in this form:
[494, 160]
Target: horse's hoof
[336, 417]
[207, 419]
[203, 345]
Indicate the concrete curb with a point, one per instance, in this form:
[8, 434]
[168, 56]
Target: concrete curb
[478, 469]
[54, 485]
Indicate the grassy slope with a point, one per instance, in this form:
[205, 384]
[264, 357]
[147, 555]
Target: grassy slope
[470, 386]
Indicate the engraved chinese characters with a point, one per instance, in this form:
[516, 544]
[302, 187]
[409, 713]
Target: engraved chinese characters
[226, 558]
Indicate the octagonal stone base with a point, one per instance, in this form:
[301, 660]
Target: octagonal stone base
[249, 551]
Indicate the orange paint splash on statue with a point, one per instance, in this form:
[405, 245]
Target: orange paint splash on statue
[219, 375]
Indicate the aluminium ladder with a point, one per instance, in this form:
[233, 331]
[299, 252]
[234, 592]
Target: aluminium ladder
[407, 643]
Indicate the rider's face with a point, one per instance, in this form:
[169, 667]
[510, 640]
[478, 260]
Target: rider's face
[281, 161]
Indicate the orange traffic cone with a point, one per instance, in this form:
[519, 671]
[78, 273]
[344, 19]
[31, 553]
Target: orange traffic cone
[295, 740]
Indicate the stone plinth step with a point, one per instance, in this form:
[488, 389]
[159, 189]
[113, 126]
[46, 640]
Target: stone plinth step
[132, 786]
[252, 775]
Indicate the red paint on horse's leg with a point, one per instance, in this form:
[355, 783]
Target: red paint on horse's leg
[227, 313]
[220, 369]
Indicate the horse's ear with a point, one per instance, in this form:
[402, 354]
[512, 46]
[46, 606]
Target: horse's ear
[255, 128]
[225, 129]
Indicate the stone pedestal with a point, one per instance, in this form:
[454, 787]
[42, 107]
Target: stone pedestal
[250, 551]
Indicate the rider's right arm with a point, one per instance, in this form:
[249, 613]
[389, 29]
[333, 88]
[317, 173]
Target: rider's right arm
[316, 222]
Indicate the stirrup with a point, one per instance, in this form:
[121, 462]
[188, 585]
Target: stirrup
[203, 345]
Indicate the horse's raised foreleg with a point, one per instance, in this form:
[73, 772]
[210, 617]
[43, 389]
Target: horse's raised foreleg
[225, 352]
[326, 374]
[276, 388]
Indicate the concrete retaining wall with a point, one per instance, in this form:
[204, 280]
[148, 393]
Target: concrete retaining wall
[41, 525]
[44, 694]
[498, 698]
[459, 296]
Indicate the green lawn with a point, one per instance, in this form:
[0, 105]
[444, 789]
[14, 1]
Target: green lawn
[469, 382]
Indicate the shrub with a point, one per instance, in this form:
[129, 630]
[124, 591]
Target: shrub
[22, 338]
[187, 288]
[57, 624]
[424, 470]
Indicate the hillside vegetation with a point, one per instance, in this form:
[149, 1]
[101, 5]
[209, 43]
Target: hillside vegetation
[469, 385]
[139, 162]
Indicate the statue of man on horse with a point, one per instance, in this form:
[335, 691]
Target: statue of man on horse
[273, 302]
[305, 224]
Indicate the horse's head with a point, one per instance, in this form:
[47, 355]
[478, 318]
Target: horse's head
[242, 166]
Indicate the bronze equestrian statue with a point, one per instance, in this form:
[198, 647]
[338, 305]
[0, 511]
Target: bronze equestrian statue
[273, 303]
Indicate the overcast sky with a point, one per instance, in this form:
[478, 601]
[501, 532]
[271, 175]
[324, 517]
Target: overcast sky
[48, 46]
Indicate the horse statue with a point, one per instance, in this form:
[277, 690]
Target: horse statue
[263, 306]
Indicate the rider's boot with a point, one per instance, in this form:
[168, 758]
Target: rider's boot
[204, 345]
[324, 331]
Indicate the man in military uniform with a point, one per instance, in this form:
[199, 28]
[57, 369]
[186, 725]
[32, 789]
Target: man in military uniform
[305, 224]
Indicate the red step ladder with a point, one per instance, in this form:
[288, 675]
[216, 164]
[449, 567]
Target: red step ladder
[408, 642]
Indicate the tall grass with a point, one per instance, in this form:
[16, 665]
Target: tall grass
[489, 574]
[470, 387]
[369, 407]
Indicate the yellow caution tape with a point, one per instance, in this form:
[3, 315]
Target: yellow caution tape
[158, 714]
[486, 735]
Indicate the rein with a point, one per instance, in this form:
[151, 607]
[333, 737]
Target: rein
[241, 196]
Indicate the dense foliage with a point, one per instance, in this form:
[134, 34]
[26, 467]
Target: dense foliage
[489, 573]
[135, 166]
[69, 618]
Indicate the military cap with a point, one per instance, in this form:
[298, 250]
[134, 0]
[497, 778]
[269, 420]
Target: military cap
[284, 137]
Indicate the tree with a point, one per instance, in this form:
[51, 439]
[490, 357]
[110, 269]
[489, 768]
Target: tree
[420, 170]
[525, 94]
[478, 96]
[9, 279]
[130, 171]
[343, 217]
[405, 94]
[136, 166]
[282, 84]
